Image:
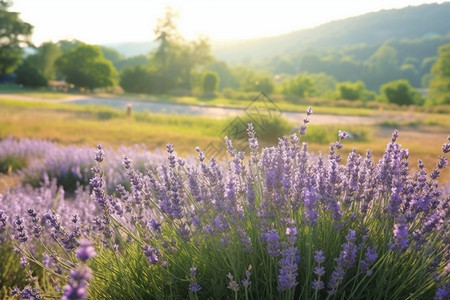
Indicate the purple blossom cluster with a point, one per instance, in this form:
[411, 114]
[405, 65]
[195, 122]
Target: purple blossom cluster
[42, 161]
[263, 210]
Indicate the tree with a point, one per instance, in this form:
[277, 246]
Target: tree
[400, 92]
[440, 82]
[302, 86]
[254, 82]
[351, 90]
[210, 82]
[44, 59]
[323, 83]
[29, 76]
[138, 79]
[67, 45]
[383, 66]
[175, 59]
[14, 33]
[85, 67]
[139, 60]
[227, 78]
[113, 55]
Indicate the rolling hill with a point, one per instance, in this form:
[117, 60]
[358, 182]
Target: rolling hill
[407, 24]
[413, 22]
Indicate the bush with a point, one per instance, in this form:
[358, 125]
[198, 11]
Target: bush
[210, 82]
[400, 92]
[29, 76]
[351, 90]
[300, 86]
[138, 79]
[268, 128]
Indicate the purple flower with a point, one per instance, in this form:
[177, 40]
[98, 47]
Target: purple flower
[85, 251]
[28, 292]
[319, 271]
[126, 162]
[246, 282]
[253, 142]
[76, 288]
[370, 257]
[319, 257]
[291, 233]
[221, 223]
[151, 253]
[317, 284]
[287, 277]
[337, 276]
[302, 129]
[446, 146]
[400, 237]
[154, 225]
[273, 242]
[3, 220]
[194, 287]
[99, 153]
[232, 285]
[343, 134]
[19, 226]
[346, 260]
[443, 292]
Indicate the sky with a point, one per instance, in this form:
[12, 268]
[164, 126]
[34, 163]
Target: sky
[113, 21]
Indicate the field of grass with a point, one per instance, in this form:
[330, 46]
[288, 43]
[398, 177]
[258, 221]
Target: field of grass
[69, 124]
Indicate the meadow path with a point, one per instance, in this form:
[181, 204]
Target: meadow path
[219, 112]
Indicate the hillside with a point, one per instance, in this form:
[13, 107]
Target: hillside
[413, 22]
[133, 49]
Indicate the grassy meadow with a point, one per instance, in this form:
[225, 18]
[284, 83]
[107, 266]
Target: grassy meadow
[70, 124]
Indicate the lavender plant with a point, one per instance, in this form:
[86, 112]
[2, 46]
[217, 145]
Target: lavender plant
[40, 161]
[283, 224]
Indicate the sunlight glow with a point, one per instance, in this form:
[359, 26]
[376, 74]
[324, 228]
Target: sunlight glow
[112, 21]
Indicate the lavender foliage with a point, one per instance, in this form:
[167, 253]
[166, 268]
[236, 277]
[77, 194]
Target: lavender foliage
[272, 211]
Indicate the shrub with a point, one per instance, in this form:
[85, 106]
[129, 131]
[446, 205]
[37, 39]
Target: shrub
[138, 79]
[268, 128]
[210, 82]
[29, 76]
[301, 86]
[400, 92]
[351, 90]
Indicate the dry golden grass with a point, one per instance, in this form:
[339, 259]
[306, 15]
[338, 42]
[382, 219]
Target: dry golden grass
[70, 124]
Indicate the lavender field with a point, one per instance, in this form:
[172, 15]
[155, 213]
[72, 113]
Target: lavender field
[279, 222]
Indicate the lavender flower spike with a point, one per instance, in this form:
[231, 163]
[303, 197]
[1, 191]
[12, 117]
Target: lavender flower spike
[86, 251]
[99, 153]
[343, 134]
[77, 286]
[446, 146]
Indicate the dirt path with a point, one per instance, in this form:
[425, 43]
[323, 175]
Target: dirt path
[220, 112]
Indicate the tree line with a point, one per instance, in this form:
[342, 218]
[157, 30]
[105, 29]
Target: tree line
[183, 67]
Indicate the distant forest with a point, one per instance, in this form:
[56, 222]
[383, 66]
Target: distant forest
[376, 48]
[405, 42]
[375, 64]
[384, 56]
